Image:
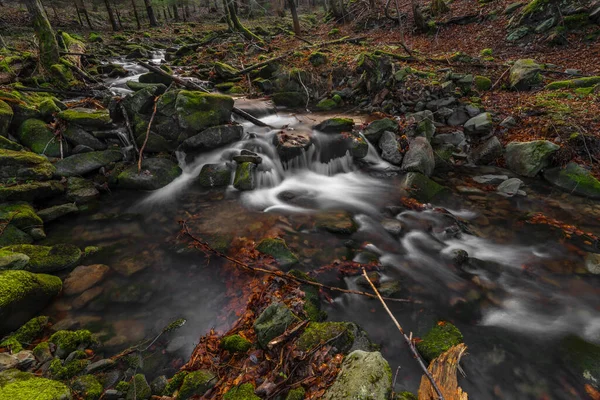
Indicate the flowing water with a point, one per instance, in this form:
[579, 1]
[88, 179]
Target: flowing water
[515, 301]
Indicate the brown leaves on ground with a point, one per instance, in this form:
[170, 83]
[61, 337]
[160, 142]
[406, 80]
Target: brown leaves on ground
[444, 370]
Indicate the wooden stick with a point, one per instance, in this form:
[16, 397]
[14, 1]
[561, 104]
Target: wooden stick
[147, 135]
[407, 339]
[280, 274]
[499, 79]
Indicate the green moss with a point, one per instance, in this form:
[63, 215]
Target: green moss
[317, 59]
[242, 392]
[321, 332]
[334, 32]
[336, 125]
[295, 394]
[6, 115]
[17, 385]
[36, 135]
[196, 384]
[41, 350]
[48, 259]
[15, 286]
[87, 387]
[326, 104]
[235, 344]
[21, 215]
[139, 388]
[48, 108]
[482, 83]
[337, 98]
[486, 53]
[86, 117]
[67, 371]
[69, 341]
[278, 249]
[123, 387]
[26, 334]
[289, 99]
[197, 111]
[438, 340]
[12, 235]
[576, 21]
[175, 383]
[95, 37]
[534, 6]
[244, 176]
[63, 75]
[405, 396]
[585, 82]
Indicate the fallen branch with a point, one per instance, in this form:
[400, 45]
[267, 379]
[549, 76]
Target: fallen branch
[407, 339]
[444, 369]
[499, 79]
[185, 230]
[140, 158]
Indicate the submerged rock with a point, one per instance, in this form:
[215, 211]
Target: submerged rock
[529, 158]
[24, 165]
[81, 164]
[574, 179]
[156, 173]
[84, 277]
[336, 222]
[364, 375]
[272, 322]
[55, 212]
[592, 263]
[291, 144]
[510, 187]
[278, 249]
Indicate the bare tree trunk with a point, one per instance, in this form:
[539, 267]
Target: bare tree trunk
[78, 14]
[135, 13]
[175, 12]
[237, 25]
[118, 14]
[165, 13]
[111, 15]
[295, 17]
[55, 12]
[150, 12]
[49, 50]
[183, 13]
[85, 13]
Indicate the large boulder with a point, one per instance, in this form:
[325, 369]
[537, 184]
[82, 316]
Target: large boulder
[17, 385]
[524, 74]
[197, 111]
[78, 136]
[142, 101]
[86, 117]
[390, 148]
[529, 158]
[6, 115]
[376, 128]
[8, 144]
[22, 295]
[12, 235]
[419, 157]
[364, 375]
[574, 179]
[291, 144]
[156, 173]
[46, 258]
[424, 124]
[81, 164]
[24, 165]
[336, 125]
[479, 125]
[245, 176]
[272, 322]
[211, 138]
[214, 175]
[36, 135]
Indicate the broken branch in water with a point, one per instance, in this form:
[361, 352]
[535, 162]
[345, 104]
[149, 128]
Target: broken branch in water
[407, 339]
[205, 246]
[444, 369]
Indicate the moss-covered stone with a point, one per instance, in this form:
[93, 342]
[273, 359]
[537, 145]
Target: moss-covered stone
[31, 191]
[289, 99]
[86, 117]
[36, 135]
[175, 383]
[84, 163]
[312, 303]
[336, 222]
[529, 158]
[156, 173]
[136, 86]
[438, 340]
[422, 188]
[214, 175]
[139, 389]
[482, 83]
[524, 74]
[336, 125]
[196, 384]
[42, 352]
[6, 116]
[48, 108]
[122, 386]
[63, 76]
[95, 37]
[17, 385]
[272, 322]
[66, 370]
[295, 394]
[574, 179]
[236, 344]
[197, 111]
[10, 259]
[242, 392]
[327, 104]
[24, 165]
[22, 294]
[68, 341]
[225, 71]
[278, 249]
[12, 235]
[244, 178]
[87, 387]
[8, 144]
[26, 334]
[153, 77]
[585, 82]
[317, 59]
[321, 332]
[376, 128]
[46, 258]
[23, 216]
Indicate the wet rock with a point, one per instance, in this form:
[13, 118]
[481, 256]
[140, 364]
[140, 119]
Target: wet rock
[438, 340]
[278, 249]
[376, 128]
[82, 164]
[359, 148]
[455, 139]
[422, 188]
[243, 158]
[592, 263]
[490, 179]
[419, 157]
[56, 212]
[196, 111]
[390, 148]
[363, 374]
[17, 385]
[31, 191]
[291, 144]
[212, 138]
[24, 165]
[7, 361]
[80, 190]
[36, 135]
[425, 123]
[289, 99]
[84, 277]
[13, 235]
[392, 226]
[154, 78]
[158, 385]
[135, 86]
[22, 295]
[142, 101]
[272, 322]
[214, 175]
[245, 178]
[581, 356]
[336, 222]
[195, 384]
[8, 144]
[12, 260]
[79, 137]
[529, 158]
[46, 258]
[23, 216]
[510, 187]
[335, 125]
[156, 173]
[87, 387]
[574, 179]
[487, 152]
[139, 389]
[458, 117]
[524, 74]
[86, 117]
[348, 337]
[99, 366]
[480, 125]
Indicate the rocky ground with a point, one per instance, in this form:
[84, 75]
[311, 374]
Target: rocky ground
[510, 85]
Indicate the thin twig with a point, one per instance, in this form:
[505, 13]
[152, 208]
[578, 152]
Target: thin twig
[408, 340]
[147, 135]
[499, 79]
[279, 274]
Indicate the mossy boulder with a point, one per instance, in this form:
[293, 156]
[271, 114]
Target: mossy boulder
[135, 86]
[214, 175]
[524, 74]
[225, 71]
[482, 83]
[289, 99]
[86, 117]
[376, 128]
[212, 138]
[244, 178]
[46, 258]
[142, 101]
[139, 389]
[242, 392]
[422, 188]
[321, 332]
[24, 165]
[80, 190]
[22, 294]
[156, 173]
[196, 384]
[574, 83]
[529, 158]
[65, 370]
[272, 322]
[17, 385]
[76, 135]
[236, 344]
[55, 212]
[278, 249]
[23, 216]
[87, 387]
[175, 383]
[327, 105]
[37, 136]
[317, 59]
[26, 334]
[197, 110]
[479, 125]
[336, 125]
[153, 77]
[63, 76]
[48, 108]
[8, 144]
[68, 341]
[6, 116]
[364, 375]
[10, 259]
[31, 191]
[85, 163]
[438, 340]
[296, 394]
[574, 179]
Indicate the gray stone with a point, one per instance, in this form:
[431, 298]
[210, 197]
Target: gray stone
[272, 322]
[212, 138]
[419, 157]
[487, 152]
[99, 365]
[509, 122]
[80, 190]
[472, 110]
[214, 175]
[443, 114]
[454, 138]
[242, 158]
[12, 260]
[291, 144]
[435, 105]
[517, 34]
[56, 212]
[592, 263]
[156, 173]
[390, 148]
[336, 125]
[545, 25]
[425, 123]
[375, 129]
[529, 158]
[364, 375]
[81, 164]
[458, 117]
[524, 74]
[509, 187]
[7, 361]
[574, 179]
[79, 137]
[479, 125]
[490, 179]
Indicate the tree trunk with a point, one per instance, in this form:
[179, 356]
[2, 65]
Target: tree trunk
[165, 14]
[150, 12]
[49, 51]
[111, 15]
[175, 12]
[78, 14]
[183, 13]
[85, 13]
[227, 17]
[118, 13]
[135, 14]
[294, 12]
[237, 25]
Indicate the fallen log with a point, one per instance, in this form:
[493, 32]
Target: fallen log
[66, 93]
